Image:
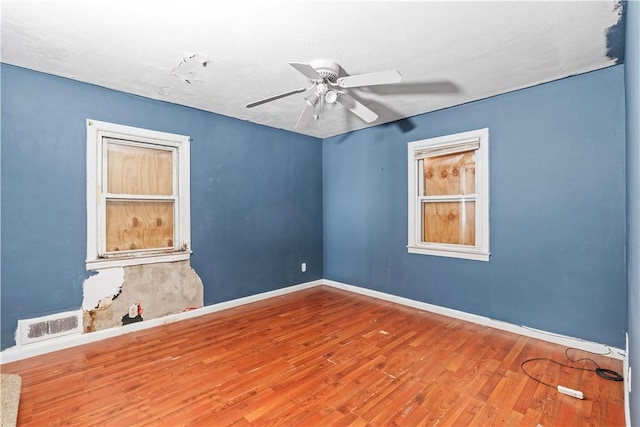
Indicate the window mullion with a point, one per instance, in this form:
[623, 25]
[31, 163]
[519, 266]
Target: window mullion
[143, 197]
[449, 198]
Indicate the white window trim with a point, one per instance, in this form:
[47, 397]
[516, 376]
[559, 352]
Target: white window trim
[96, 130]
[480, 252]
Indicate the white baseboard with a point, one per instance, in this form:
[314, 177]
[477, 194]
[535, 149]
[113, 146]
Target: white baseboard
[578, 343]
[15, 353]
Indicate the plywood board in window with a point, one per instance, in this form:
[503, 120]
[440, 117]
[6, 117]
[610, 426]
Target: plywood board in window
[449, 222]
[139, 225]
[138, 170]
[449, 174]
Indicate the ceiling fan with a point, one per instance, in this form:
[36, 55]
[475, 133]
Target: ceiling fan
[328, 89]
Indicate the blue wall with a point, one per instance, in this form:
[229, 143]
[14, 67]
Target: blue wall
[632, 85]
[557, 203]
[256, 205]
[557, 214]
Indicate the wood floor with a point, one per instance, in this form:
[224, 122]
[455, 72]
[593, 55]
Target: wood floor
[318, 357]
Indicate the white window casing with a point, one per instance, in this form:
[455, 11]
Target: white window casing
[477, 141]
[99, 134]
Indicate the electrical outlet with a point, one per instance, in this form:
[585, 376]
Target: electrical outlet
[303, 267]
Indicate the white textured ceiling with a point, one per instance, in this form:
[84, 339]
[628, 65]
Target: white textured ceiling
[449, 53]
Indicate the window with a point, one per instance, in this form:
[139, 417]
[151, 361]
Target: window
[449, 196]
[137, 196]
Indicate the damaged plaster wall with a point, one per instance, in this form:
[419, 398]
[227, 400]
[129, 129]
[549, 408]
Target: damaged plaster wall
[100, 289]
[160, 289]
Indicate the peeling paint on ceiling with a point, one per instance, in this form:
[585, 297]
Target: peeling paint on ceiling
[191, 69]
[220, 56]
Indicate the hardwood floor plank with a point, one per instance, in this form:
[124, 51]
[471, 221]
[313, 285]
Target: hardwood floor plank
[317, 357]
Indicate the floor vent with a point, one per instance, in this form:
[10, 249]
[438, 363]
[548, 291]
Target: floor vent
[47, 327]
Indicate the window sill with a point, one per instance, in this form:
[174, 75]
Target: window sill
[98, 264]
[472, 255]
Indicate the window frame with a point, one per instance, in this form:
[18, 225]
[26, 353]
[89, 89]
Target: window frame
[449, 143]
[179, 145]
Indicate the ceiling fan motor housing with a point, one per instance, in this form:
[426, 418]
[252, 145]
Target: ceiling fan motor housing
[326, 68]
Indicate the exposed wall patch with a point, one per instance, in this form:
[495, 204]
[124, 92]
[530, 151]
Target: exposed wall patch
[162, 288]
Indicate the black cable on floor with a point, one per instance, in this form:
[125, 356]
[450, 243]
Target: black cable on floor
[607, 374]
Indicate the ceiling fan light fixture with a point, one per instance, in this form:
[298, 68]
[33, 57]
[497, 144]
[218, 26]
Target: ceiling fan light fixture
[312, 99]
[331, 96]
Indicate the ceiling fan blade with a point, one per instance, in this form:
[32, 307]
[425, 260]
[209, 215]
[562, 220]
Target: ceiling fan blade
[357, 108]
[370, 79]
[307, 70]
[273, 98]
